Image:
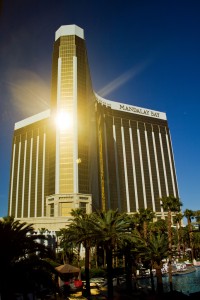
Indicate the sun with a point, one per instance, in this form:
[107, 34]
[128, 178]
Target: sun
[64, 120]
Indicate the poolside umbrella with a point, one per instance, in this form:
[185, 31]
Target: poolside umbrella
[66, 269]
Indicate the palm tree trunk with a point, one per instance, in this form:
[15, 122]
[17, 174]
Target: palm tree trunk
[96, 256]
[170, 250]
[191, 238]
[181, 237]
[128, 267]
[145, 229]
[78, 255]
[170, 273]
[104, 258]
[152, 279]
[109, 272]
[159, 279]
[87, 270]
[179, 241]
[116, 258]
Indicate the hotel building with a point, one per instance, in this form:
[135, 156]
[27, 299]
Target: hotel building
[85, 151]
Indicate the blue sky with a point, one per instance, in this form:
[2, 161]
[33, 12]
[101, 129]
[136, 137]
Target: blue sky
[144, 53]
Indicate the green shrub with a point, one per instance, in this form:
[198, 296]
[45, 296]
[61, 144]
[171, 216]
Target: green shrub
[94, 272]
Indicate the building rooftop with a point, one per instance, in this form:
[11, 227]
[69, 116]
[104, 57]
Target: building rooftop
[69, 30]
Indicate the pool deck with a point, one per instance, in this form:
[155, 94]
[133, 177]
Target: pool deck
[101, 293]
[190, 269]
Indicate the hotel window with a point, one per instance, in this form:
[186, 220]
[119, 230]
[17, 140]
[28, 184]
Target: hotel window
[65, 209]
[51, 209]
[83, 206]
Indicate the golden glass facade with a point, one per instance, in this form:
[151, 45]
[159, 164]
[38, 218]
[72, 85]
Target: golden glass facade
[65, 104]
[28, 187]
[70, 95]
[137, 162]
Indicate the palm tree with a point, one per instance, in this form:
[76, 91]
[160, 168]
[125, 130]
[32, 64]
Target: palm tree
[170, 204]
[155, 250]
[128, 243]
[196, 244]
[160, 226]
[81, 231]
[178, 218]
[112, 229]
[18, 251]
[69, 249]
[190, 214]
[76, 213]
[145, 216]
[197, 217]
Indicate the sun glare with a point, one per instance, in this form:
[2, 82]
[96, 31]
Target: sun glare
[64, 120]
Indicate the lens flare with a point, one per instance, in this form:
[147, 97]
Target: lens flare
[123, 78]
[64, 120]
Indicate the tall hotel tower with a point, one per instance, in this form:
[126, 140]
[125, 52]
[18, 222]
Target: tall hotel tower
[86, 151]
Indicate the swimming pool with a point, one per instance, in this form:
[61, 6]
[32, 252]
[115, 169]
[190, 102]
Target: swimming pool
[185, 283]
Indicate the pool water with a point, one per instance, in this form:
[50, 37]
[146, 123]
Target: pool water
[185, 283]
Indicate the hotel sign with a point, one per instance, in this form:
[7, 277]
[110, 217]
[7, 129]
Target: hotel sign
[132, 109]
[142, 111]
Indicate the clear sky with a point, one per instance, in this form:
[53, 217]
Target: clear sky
[144, 53]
